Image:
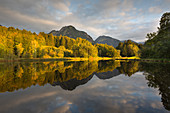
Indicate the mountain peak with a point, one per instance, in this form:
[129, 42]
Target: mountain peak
[107, 37]
[72, 32]
[68, 27]
[108, 40]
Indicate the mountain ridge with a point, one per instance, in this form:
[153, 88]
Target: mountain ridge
[72, 32]
[108, 40]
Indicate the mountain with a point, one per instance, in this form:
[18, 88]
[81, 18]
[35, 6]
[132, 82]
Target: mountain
[130, 40]
[108, 40]
[133, 41]
[108, 74]
[72, 32]
[72, 84]
[141, 42]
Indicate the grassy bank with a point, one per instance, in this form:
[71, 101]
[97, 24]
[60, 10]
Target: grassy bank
[155, 60]
[81, 59]
[127, 58]
[54, 59]
[143, 60]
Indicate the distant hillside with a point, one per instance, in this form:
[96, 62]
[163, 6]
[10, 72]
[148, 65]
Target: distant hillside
[141, 42]
[108, 40]
[128, 39]
[72, 32]
[133, 41]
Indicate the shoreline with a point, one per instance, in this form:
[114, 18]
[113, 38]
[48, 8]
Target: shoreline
[155, 60]
[84, 59]
[54, 59]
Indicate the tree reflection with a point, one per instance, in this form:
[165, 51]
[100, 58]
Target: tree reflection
[107, 69]
[68, 75]
[158, 76]
[129, 67]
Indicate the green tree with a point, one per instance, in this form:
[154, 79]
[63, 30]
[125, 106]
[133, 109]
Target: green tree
[129, 48]
[158, 45]
[105, 50]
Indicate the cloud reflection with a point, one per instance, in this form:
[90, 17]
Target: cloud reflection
[121, 94]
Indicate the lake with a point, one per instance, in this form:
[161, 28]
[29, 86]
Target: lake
[84, 87]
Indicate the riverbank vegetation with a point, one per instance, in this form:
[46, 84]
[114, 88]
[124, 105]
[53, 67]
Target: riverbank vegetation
[129, 48]
[18, 44]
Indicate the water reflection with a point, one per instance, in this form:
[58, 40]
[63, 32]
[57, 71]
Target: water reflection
[69, 75]
[158, 76]
[107, 70]
[129, 68]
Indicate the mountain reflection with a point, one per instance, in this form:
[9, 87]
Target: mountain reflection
[68, 75]
[107, 70]
[73, 83]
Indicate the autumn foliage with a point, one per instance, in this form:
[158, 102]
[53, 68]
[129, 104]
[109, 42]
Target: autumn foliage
[15, 43]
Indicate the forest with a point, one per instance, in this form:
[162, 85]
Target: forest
[16, 43]
[158, 43]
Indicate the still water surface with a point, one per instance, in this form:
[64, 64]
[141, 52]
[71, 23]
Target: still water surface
[84, 87]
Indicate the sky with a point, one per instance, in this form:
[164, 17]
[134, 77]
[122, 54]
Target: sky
[120, 19]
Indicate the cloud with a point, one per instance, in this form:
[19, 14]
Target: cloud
[62, 5]
[15, 18]
[121, 19]
[155, 9]
[22, 100]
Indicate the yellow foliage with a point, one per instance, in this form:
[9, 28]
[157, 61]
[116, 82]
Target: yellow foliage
[20, 72]
[46, 56]
[20, 49]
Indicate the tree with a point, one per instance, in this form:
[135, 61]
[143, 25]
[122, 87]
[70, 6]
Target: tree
[20, 49]
[157, 45]
[150, 36]
[83, 48]
[165, 21]
[62, 41]
[33, 49]
[129, 48]
[105, 50]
